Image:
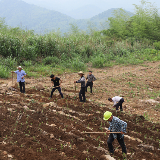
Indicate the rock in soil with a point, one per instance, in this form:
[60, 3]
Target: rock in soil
[39, 87]
[106, 157]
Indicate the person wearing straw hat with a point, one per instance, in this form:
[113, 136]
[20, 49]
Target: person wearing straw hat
[116, 125]
[20, 78]
[82, 91]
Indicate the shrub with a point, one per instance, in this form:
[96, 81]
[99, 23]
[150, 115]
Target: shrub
[157, 45]
[77, 64]
[3, 72]
[51, 61]
[98, 61]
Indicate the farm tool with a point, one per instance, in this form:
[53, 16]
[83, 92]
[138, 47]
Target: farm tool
[99, 132]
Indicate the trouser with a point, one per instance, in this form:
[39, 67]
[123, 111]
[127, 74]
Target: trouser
[22, 84]
[89, 84]
[120, 140]
[59, 90]
[82, 94]
[119, 104]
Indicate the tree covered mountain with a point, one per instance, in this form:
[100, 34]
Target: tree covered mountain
[18, 13]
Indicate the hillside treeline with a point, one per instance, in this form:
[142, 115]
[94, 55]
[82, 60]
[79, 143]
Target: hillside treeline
[129, 40]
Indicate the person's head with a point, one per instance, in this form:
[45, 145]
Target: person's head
[81, 73]
[90, 72]
[107, 116]
[52, 76]
[110, 99]
[19, 68]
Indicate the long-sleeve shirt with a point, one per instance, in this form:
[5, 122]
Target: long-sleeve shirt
[116, 99]
[117, 125]
[91, 78]
[20, 75]
[82, 81]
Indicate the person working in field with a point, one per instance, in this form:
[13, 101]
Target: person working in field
[90, 78]
[116, 125]
[20, 78]
[82, 91]
[117, 102]
[57, 85]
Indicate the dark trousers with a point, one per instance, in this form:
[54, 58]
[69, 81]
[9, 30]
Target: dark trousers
[120, 140]
[22, 84]
[59, 89]
[82, 94]
[89, 84]
[119, 104]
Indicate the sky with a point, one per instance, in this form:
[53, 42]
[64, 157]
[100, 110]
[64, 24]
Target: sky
[66, 6]
[73, 4]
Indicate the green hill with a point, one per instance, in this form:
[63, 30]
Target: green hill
[31, 17]
[19, 13]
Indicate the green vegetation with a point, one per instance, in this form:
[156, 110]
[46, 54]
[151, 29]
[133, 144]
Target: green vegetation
[130, 40]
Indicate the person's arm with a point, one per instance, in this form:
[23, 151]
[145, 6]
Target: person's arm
[51, 84]
[114, 102]
[60, 82]
[123, 126]
[109, 129]
[94, 78]
[81, 80]
[87, 78]
[13, 71]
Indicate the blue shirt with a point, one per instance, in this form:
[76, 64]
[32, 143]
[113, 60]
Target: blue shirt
[117, 125]
[20, 75]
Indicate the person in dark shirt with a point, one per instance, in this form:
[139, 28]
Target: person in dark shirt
[90, 78]
[57, 85]
[82, 91]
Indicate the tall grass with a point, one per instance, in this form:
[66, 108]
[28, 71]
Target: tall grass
[44, 54]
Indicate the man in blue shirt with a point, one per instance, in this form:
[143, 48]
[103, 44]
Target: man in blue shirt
[20, 78]
[116, 125]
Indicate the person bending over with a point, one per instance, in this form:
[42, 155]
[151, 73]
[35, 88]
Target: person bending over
[117, 102]
[56, 82]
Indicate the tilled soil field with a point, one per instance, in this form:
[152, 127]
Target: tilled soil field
[35, 127]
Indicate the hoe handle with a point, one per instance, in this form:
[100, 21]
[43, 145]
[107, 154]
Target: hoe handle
[100, 132]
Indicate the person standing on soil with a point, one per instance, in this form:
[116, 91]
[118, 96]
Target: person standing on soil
[117, 102]
[57, 85]
[116, 125]
[82, 91]
[20, 78]
[90, 78]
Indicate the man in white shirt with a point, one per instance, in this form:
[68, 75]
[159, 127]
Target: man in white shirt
[117, 102]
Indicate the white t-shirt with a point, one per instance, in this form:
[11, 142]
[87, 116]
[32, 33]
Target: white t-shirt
[116, 99]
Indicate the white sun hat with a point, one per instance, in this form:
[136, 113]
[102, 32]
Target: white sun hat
[19, 67]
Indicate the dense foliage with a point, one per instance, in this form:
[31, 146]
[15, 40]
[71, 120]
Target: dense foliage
[130, 40]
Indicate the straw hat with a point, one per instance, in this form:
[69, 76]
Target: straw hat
[80, 72]
[19, 67]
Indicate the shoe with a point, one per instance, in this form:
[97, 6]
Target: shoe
[124, 156]
[121, 110]
[111, 154]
